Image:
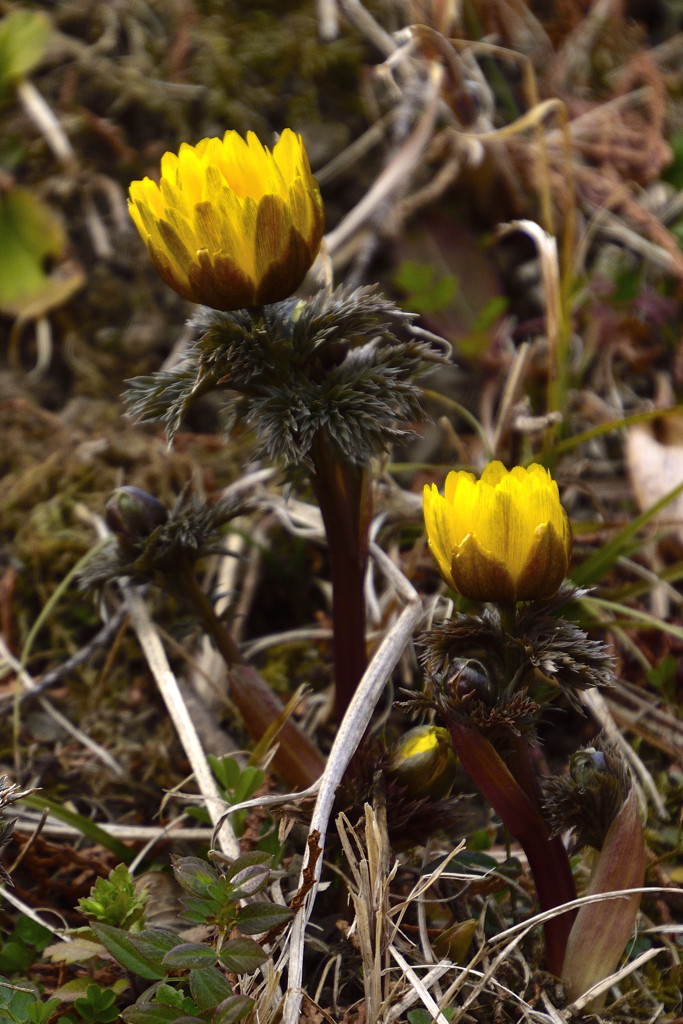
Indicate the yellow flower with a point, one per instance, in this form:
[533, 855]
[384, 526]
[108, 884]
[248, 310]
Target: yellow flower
[232, 224]
[503, 538]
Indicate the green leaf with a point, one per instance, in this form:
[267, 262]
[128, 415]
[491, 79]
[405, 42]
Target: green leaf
[605, 558]
[30, 233]
[39, 1012]
[249, 881]
[247, 784]
[232, 1009]
[647, 620]
[151, 1013]
[674, 172]
[114, 900]
[78, 951]
[422, 1016]
[33, 933]
[198, 911]
[226, 770]
[23, 38]
[425, 293]
[245, 861]
[661, 674]
[194, 875]
[189, 955]
[84, 825]
[117, 942]
[169, 996]
[260, 917]
[242, 956]
[209, 987]
[154, 943]
[15, 957]
[491, 312]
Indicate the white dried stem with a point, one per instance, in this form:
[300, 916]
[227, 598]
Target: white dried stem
[613, 979]
[29, 912]
[155, 655]
[546, 246]
[349, 736]
[398, 170]
[46, 122]
[431, 978]
[328, 19]
[127, 833]
[366, 24]
[510, 392]
[418, 986]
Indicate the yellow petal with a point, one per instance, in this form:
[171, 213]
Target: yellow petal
[545, 568]
[438, 520]
[479, 575]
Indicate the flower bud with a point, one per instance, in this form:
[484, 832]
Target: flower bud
[470, 678]
[586, 766]
[424, 762]
[505, 537]
[133, 513]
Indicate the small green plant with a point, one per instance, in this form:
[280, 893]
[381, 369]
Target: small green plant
[188, 978]
[97, 1007]
[236, 785]
[114, 901]
[22, 1005]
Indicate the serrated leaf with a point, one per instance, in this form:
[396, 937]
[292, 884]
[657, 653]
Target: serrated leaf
[242, 956]
[117, 942]
[194, 875]
[260, 917]
[78, 951]
[232, 1009]
[169, 996]
[190, 955]
[209, 987]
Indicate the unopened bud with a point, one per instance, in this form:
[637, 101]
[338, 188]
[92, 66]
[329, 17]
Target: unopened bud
[133, 513]
[472, 678]
[424, 762]
[586, 765]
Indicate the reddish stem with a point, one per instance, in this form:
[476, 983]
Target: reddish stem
[547, 857]
[343, 493]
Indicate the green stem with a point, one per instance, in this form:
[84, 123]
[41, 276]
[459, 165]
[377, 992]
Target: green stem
[297, 759]
[343, 493]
